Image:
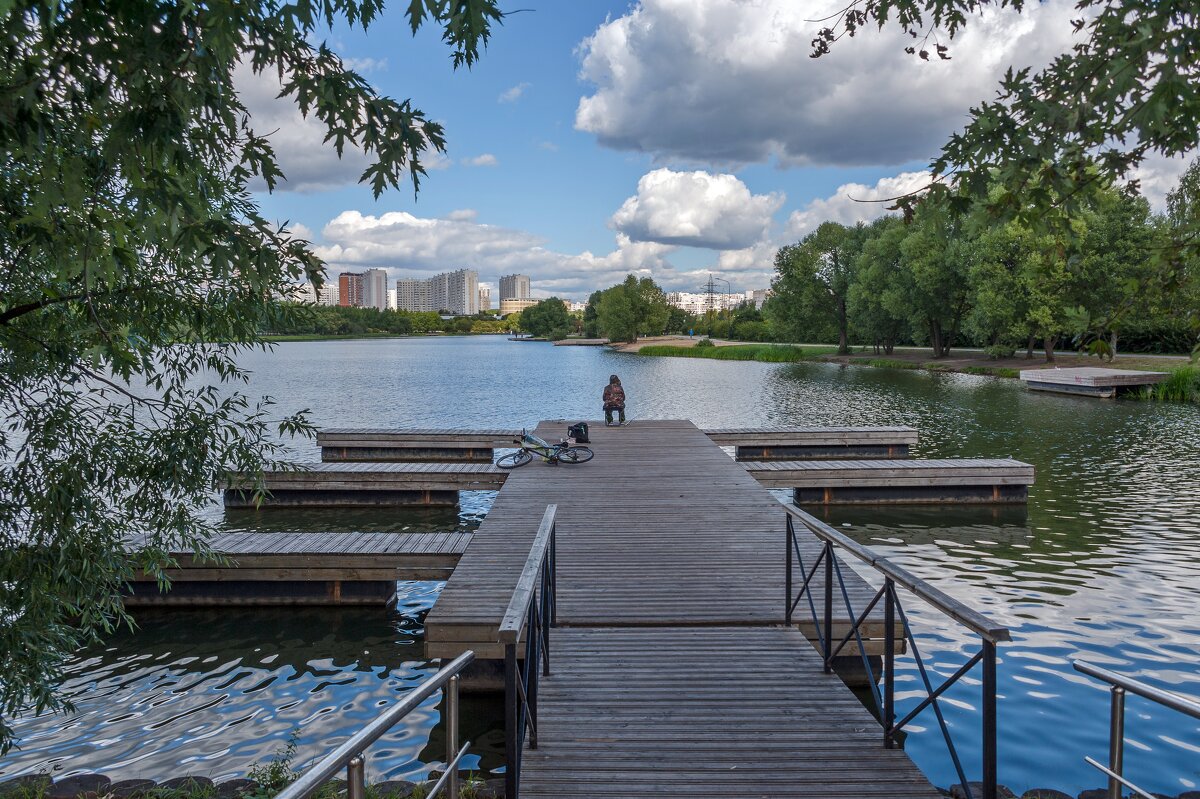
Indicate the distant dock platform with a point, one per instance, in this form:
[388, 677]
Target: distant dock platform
[1089, 381]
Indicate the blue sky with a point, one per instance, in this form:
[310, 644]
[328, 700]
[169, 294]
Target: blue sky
[667, 137]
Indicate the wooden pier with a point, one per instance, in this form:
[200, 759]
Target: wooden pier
[670, 581]
[301, 568]
[940, 481]
[406, 446]
[368, 484]
[796, 443]
[1089, 381]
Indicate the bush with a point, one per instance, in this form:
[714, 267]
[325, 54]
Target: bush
[1182, 386]
[705, 342]
[998, 351]
[558, 334]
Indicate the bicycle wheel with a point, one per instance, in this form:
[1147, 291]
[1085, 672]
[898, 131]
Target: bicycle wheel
[514, 459]
[576, 455]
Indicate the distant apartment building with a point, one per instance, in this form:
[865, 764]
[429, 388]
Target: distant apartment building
[456, 292]
[758, 297]
[391, 299]
[694, 303]
[299, 292]
[514, 287]
[414, 295]
[350, 289]
[375, 289]
[329, 293]
[573, 306]
[514, 305]
[485, 299]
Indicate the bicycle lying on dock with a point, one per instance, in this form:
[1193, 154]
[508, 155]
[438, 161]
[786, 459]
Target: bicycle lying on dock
[553, 454]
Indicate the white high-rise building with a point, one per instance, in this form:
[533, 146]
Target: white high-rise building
[455, 292]
[699, 303]
[391, 299]
[514, 287]
[375, 289]
[329, 293]
[414, 295]
[485, 299]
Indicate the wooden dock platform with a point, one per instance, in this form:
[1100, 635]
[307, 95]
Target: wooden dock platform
[369, 484]
[1089, 381]
[302, 568]
[662, 528]
[672, 672]
[416, 445]
[794, 443]
[948, 480]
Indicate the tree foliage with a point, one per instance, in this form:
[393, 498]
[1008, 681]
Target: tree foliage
[1036, 154]
[813, 280]
[132, 259]
[547, 319]
[632, 308]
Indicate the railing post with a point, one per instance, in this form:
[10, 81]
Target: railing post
[828, 631]
[1116, 740]
[545, 612]
[532, 656]
[452, 735]
[553, 575]
[889, 662]
[989, 720]
[356, 778]
[787, 581]
[512, 746]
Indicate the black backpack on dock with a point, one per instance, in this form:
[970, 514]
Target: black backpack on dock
[579, 432]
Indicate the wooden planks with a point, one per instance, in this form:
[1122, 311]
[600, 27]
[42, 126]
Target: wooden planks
[1090, 381]
[661, 528]
[822, 443]
[354, 484]
[715, 712]
[285, 568]
[415, 445]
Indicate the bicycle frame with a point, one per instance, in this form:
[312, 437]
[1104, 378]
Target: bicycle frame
[543, 449]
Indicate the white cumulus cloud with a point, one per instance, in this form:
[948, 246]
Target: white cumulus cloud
[854, 202]
[487, 159]
[730, 82]
[696, 209]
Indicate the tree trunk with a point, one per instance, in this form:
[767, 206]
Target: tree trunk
[935, 337]
[1112, 346]
[1029, 346]
[1049, 343]
[843, 338]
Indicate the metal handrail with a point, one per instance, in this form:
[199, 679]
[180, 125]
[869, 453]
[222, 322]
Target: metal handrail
[513, 622]
[895, 577]
[960, 612]
[532, 610]
[350, 753]
[1120, 685]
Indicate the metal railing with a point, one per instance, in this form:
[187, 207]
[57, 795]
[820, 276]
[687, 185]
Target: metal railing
[1119, 687]
[351, 755]
[894, 576]
[532, 611]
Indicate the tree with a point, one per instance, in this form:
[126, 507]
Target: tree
[1129, 88]
[631, 308]
[591, 324]
[876, 300]
[812, 282]
[133, 258]
[545, 317]
[936, 256]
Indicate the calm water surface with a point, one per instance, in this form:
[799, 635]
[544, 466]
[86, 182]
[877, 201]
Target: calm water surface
[1102, 565]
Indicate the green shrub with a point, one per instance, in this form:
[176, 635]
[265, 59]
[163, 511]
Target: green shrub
[998, 351]
[1182, 386]
[705, 342]
[277, 773]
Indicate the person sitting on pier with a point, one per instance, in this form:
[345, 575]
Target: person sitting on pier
[614, 400]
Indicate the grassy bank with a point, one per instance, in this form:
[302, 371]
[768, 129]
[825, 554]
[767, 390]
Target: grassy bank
[1182, 386]
[766, 353]
[892, 363]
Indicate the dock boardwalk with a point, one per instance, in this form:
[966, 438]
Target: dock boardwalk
[1090, 381]
[936, 481]
[662, 528]
[671, 671]
[419, 445]
[369, 484]
[790, 443]
[304, 568]
[713, 712]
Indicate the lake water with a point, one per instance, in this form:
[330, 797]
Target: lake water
[1101, 566]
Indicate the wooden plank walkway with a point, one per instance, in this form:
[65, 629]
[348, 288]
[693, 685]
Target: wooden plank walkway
[789, 443]
[430, 445]
[661, 528]
[284, 568]
[351, 484]
[671, 674]
[714, 712]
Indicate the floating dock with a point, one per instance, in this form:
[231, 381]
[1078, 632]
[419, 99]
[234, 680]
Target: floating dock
[299, 568]
[409, 446]
[331, 485]
[796, 443]
[1089, 381]
[909, 482]
[672, 673]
